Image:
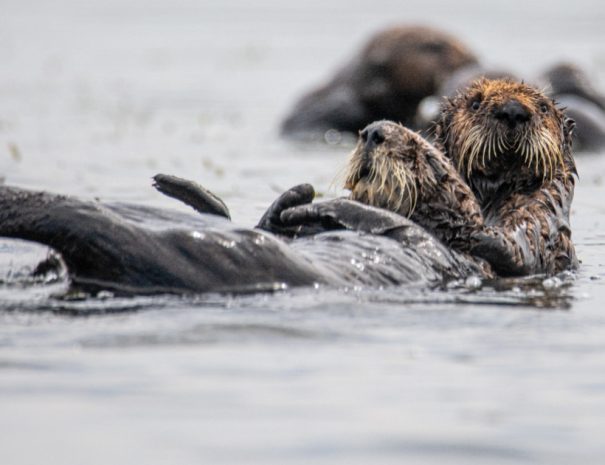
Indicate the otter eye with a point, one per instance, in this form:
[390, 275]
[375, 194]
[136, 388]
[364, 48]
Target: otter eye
[475, 105]
[544, 108]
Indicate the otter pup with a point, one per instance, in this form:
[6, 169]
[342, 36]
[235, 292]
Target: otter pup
[504, 192]
[388, 78]
[396, 169]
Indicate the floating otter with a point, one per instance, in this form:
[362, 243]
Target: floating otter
[140, 250]
[505, 194]
[394, 71]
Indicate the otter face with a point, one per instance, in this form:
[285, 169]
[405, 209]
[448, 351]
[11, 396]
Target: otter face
[383, 168]
[500, 126]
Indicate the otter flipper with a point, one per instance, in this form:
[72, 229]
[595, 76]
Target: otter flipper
[192, 194]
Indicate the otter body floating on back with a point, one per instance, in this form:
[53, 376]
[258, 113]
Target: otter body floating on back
[140, 250]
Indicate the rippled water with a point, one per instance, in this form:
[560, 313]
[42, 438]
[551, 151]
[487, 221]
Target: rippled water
[96, 97]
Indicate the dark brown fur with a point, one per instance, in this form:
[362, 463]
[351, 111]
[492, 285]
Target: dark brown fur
[501, 192]
[408, 175]
[522, 176]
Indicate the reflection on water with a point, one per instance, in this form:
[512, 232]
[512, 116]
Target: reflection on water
[97, 97]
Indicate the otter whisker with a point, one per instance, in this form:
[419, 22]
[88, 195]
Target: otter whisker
[501, 144]
[471, 148]
[464, 149]
[414, 195]
[546, 155]
[525, 154]
[486, 149]
[540, 153]
[554, 152]
[551, 153]
[475, 151]
[493, 142]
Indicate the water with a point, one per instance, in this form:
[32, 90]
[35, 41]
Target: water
[97, 97]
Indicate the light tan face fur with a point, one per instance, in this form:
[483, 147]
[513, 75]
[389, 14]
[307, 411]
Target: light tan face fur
[384, 175]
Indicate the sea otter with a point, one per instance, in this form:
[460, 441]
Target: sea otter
[130, 249]
[504, 194]
[387, 79]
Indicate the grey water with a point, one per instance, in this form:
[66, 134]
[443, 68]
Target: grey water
[96, 97]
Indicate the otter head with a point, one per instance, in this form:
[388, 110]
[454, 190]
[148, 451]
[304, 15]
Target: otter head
[503, 132]
[402, 65]
[394, 168]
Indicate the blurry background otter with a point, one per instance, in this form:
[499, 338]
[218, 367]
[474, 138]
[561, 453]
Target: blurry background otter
[387, 79]
[403, 72]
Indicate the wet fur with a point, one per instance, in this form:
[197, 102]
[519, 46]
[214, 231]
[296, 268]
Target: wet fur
[525, 188]
[503, 195]
[434, 194]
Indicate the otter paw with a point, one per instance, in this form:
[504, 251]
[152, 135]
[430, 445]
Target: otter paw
[345, 214]
[271, 221]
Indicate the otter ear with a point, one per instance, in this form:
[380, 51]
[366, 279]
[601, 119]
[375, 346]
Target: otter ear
[436, 164]
[444, 120]
[569, 125]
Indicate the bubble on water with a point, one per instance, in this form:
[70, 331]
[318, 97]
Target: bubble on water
[105, 295]
[552, 283]
[333, 137]
[473, 282]
[429, 107]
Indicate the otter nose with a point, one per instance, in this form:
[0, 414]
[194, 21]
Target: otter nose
[373, 135]
[512, 113]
